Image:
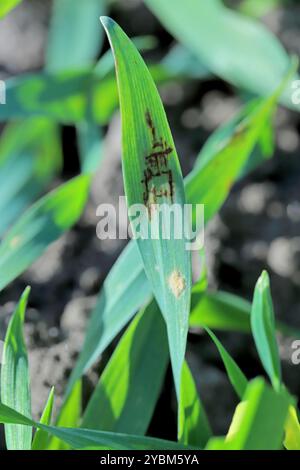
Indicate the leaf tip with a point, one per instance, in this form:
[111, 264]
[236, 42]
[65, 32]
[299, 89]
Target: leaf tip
[107, 22]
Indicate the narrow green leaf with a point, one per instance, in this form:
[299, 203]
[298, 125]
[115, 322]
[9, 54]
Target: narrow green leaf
[292, 430]
[193, 425]
[69, 416]
[15, 386]
[146, 137]
[30, 155]
[123, 293]
[227, 42]
[7, 5]
[220, 310]
[255, 425]
[263, 329]
[40, 225]
[74, 37]
[41, 437]
[66, 96]
[90, 439]
[90, 145]
[235, 375]
[129, 386]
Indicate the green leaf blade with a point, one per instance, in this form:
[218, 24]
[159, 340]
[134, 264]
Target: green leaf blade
[40, 225]
[263, 329]
[41, 437]
[193, 426]
[128, 389]
[15, 385]
[146, 135]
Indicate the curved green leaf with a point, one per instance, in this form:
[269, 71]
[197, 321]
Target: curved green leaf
[193, 425]
[147, 141]
[263, 329]
[90, 439]
[30, 155]
[40, 225]
[74, 38]
[235, 375]
[128, 389]
[41, 437]
[15, 385]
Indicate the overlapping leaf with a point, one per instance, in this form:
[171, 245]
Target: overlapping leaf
[263, 329]
[125, 397]
[90, 439]
[255, 425]
[40, 225]
[15, 383]
[30, 155]
[41, 437]
[193, 425]
[74, 38]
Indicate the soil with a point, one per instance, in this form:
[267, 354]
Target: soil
[257, 228]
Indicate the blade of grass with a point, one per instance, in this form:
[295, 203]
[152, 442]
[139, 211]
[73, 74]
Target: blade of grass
[15, 385]
[74, 37]
[40, 225]
[145, 131]
[234, 373]
[123, 293]
[263, 329]
[69, 417]
[255, 424]
[220, 310]
[129, 386]
[89, 136]
[193, 426]
[90, 439]
[41, 437]
[30, 155]
[292, 430]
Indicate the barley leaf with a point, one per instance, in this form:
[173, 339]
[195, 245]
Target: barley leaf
[74, 37]
[129, 386]
[69, 416]
[220, 310]
[234, 373]
[123, 293]
[193, 425]
[147, 141]
[263, 329]
[91, 439]
[255, 425]
[30, 155]
[15, 386]
[40, 225]
[292, 430]
[41, 437]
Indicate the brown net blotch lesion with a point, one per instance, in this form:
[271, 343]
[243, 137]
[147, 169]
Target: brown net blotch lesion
[158, 177]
